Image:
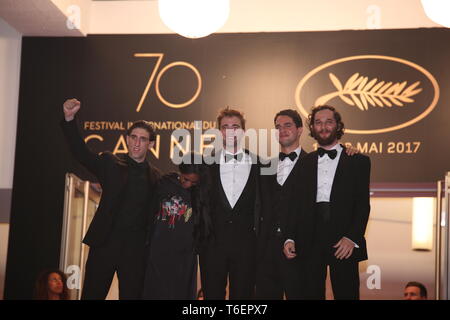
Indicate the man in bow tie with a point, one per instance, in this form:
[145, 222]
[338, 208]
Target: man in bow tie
[235, 206]
[276, 275]
[334, 205]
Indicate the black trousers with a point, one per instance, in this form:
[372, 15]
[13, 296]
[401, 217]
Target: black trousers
[344, 274]
[234, 258]
[124, 253]
[276, 275]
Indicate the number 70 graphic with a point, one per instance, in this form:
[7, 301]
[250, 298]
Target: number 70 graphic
[159, 74]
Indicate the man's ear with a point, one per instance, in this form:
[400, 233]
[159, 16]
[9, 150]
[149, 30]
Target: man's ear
[151, 145]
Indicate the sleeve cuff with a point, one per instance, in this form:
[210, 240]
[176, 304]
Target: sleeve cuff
[356, 246]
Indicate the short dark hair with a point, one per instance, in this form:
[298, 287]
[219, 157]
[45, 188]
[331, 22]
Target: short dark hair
[337, 117]
[228, 112]
[291, 113]
[423, 290]
[143, 125]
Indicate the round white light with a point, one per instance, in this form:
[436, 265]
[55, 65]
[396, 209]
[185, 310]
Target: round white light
[438, 11]
[194, 18]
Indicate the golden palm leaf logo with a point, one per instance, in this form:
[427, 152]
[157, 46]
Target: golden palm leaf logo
[359, 91]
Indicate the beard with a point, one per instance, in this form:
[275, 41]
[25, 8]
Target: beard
[325, 141]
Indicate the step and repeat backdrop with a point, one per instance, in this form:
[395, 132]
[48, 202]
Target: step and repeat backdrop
[391, 87]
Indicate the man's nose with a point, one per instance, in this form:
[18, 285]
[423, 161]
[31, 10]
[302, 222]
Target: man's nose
[283, 130]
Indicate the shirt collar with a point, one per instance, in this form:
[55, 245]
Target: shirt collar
[237, 152]
[245, 156]
[134, 164]
[337, 147]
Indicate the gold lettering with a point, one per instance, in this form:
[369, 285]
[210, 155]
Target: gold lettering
[174, 142]
[362, 148]
[373, 148]
[121, 146]
[93, 136]
[156, 148]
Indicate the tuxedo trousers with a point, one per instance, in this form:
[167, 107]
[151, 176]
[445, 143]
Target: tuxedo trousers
[278, 277]
[123, 253]
[344, 274]
[233, 258]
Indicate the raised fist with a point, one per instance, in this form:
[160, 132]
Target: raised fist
[70, 108]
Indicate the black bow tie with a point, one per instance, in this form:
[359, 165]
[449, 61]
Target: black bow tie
[331, 153]
[291, 156]
[237, 156]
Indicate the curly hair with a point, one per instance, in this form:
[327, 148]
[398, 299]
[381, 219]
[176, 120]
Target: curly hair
[41, 287]
[337, 117]
[200, 198]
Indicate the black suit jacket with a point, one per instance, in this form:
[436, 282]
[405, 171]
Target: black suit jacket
[112, 173]
[279, 205]
[349, 200]
[218, 192]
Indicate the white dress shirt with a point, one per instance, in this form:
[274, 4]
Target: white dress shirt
[285, 167]
[326, 169]
[234, 175]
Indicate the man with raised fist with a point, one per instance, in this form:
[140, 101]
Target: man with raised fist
[118, 231]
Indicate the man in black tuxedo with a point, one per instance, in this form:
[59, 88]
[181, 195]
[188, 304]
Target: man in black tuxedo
[235, 206]
[118, 231]
[276, 275]
[334, 202]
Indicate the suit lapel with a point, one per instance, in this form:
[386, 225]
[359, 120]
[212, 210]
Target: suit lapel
[315, 159]
[339, 178]
[123, 165]
[247, 184]
[295, 169]
[251, 175]
[221, 190]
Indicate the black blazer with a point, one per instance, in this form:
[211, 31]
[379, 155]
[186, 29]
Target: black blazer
[278, 205]
[112, 173]
[349, 199]
[254, 178]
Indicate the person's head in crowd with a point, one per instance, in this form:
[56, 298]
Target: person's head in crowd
[290, 126]
[325, 125]
[51, 285]
[190, 171]
[231, 124]
[140, 137]
[415, 291]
